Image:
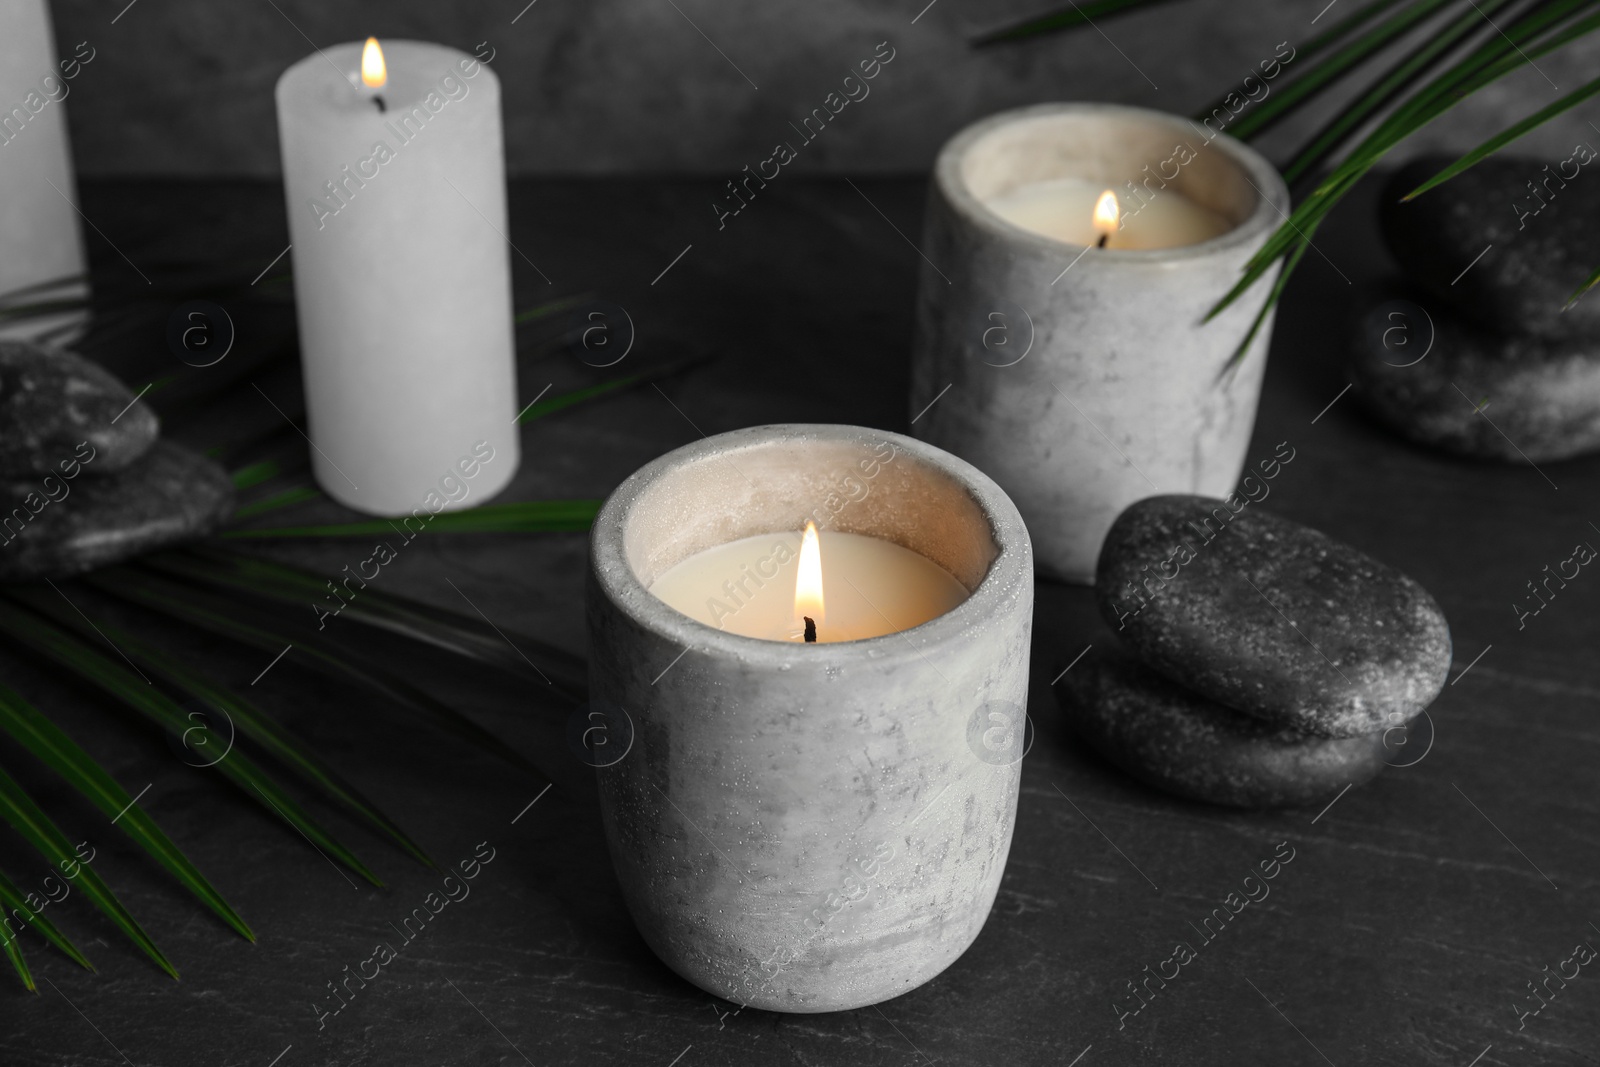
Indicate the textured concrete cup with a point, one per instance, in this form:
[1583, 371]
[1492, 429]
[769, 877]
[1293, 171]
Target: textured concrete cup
[1083, 380]
[797, 827]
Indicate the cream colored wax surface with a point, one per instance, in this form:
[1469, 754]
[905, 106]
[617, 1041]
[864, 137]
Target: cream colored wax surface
[1063, 208]
[871, 587]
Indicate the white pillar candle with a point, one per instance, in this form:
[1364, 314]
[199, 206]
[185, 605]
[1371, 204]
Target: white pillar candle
[39, 231]
[1064, 208]
[397, 217]
[752, 586]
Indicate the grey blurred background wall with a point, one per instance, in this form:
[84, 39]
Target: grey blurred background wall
[184, 87]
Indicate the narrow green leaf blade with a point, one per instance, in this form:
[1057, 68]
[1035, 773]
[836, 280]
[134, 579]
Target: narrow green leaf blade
[14, 954]
[255, 473]
[542, 311]
[96, 669]
[295, 494]
[465, 635]
[1065, 19]
[52, 746]
[578, 396]
[200, 609]
[1506, 136]
[1407, 72]
[29, 820]
[527, 516]
[16, 903]
[249, 719]
[1589, 283]
[1307, 84]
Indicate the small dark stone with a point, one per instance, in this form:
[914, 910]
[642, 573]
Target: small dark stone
[1474, 393]
[54, 527]
[1270, 617]
[1184, 744]
[1542, 249]
[52, 402]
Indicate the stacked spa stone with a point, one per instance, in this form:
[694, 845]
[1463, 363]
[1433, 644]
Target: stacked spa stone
[84, 480]
[1492, 256]
[1268, 661]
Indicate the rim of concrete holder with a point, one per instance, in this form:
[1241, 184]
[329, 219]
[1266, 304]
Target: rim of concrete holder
[989, 574]
[965, 179]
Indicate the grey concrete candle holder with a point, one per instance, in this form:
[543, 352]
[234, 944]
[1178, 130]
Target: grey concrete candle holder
[1078, 380]
[797, 827]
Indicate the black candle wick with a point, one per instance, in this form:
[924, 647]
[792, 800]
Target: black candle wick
[811, 630]
[1098, 244]
[381, 105]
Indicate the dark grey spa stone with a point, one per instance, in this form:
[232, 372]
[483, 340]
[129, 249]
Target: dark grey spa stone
[1543, 243]
[53, 526]
[1180, 743]
[56, 412]
[1270, 617]
[1476, 393]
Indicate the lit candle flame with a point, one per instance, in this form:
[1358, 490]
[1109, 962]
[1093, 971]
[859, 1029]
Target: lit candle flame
[1106, 212]
[808, 580]
[374, 75]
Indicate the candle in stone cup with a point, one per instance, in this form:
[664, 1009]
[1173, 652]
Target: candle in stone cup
[1082, 378]
[810, 827]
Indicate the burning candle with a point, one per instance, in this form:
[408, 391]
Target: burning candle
[810, 827]
[1083, 378]
[395, 180]
[1079, 212]
[778, 587]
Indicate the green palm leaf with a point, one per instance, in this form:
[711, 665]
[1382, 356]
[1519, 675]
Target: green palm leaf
[454, 632]
[254, 474]
[592, 392]
[94, 668]
[295, 494]
[1588, 283]
[533, 314]
[1488, 63]
[1500, 140]
[14, 954]
[1395, 81]
[1311, 82]
[256, 725]
[528, 516]
[29, 820]
[54, 748]
[243, 624]
[16, 902]
[1076, 15]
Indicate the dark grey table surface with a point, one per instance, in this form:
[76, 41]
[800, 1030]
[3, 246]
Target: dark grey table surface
[1403, 932]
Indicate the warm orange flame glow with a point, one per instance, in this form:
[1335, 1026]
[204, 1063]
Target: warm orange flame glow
[808, 581]
[374, 75]
[1106, 212]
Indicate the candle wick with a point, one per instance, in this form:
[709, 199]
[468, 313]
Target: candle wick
[385, 107]
[1103, 239]
[811, 629]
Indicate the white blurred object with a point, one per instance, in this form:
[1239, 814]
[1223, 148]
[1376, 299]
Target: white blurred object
[40, 239]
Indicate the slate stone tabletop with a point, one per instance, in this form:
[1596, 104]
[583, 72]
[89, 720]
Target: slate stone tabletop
[1403, 926]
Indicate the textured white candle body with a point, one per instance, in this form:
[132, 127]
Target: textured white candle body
[401, 272]
[871, 587]
[38, 224]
